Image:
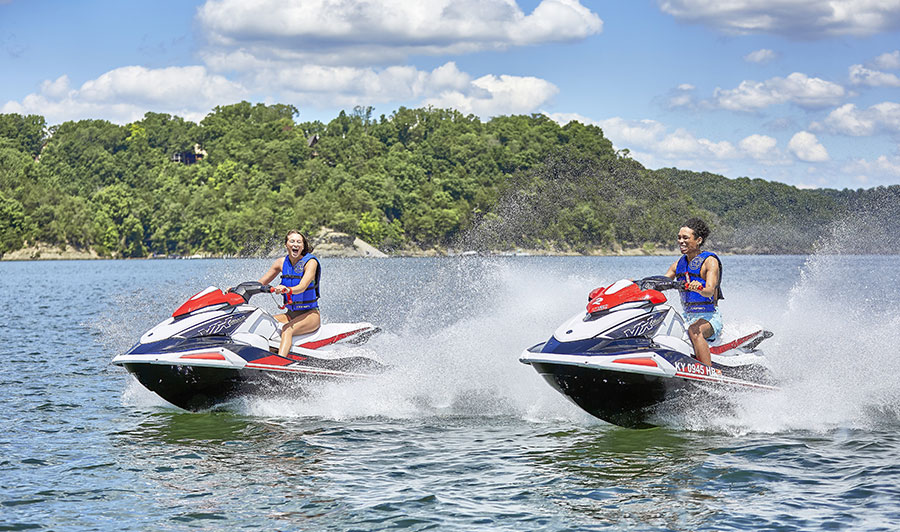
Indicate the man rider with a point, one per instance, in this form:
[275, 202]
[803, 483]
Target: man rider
[702, 278]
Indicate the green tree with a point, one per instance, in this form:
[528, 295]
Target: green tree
[27, 133]
[12, 222]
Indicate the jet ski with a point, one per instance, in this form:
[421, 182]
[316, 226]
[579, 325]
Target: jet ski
[217, 347]
[629, 353]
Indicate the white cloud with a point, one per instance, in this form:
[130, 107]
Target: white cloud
[888, 61]
[682, 96]
[445, 86]
[797, 88]
[860, 75]
[496, 95]
[385, 31]
[761, 147]
[137, 84]
[564, 118]
[646, 134]
[656, 145]
[803, 19]
[682, 143]
[342, 85]
[653, 143]
[328, 53]
[127, 93]
[57, 88]
[806, 147]
[848, 120]
[761, 56]
[551, 20]
[882, 167]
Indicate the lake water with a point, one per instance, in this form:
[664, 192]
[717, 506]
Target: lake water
[459, 435]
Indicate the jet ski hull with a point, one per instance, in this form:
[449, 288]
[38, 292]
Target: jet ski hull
[191, 387]
[198, 377]
[198, 388]
[619, 398]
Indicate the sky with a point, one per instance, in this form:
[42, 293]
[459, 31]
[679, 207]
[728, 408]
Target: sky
[802, 92]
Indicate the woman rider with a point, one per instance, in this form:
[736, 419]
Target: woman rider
[702, 278]
[300, 286]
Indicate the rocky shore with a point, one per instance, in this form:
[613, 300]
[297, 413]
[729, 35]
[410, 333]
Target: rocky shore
[329, 243]
[41, 251]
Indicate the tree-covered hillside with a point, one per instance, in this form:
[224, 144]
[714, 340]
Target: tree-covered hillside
[761, 216]
[419, 178]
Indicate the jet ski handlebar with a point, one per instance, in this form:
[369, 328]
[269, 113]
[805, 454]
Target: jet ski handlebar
[249, 289]
[660, 283]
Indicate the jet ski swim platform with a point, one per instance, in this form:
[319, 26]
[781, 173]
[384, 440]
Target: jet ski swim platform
[217, 347]
[629, 352]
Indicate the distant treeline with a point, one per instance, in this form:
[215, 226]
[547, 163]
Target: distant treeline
[420, 178]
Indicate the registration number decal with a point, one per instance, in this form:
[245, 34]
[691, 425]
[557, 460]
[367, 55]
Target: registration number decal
[697, 369]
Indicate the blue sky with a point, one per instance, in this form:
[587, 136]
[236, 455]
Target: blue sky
[804, 92]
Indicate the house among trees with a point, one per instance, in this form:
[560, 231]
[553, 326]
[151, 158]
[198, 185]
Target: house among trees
[189, 157]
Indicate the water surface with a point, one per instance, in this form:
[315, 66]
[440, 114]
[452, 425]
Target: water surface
[459, 436]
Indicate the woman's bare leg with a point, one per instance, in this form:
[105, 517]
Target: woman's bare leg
[305, 323]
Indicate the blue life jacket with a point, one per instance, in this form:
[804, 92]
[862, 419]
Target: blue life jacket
[291, 276]
[693, 301]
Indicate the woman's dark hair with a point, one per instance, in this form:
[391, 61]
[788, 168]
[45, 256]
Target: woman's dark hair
[307, 247]
[699, 228]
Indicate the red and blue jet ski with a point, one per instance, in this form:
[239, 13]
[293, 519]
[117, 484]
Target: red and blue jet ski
[217, 347]
[629, 352]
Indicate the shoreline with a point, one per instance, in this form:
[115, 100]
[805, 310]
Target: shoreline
[329, 243]
[50, 253]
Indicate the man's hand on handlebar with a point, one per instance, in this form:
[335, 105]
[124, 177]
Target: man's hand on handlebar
[693, 286]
